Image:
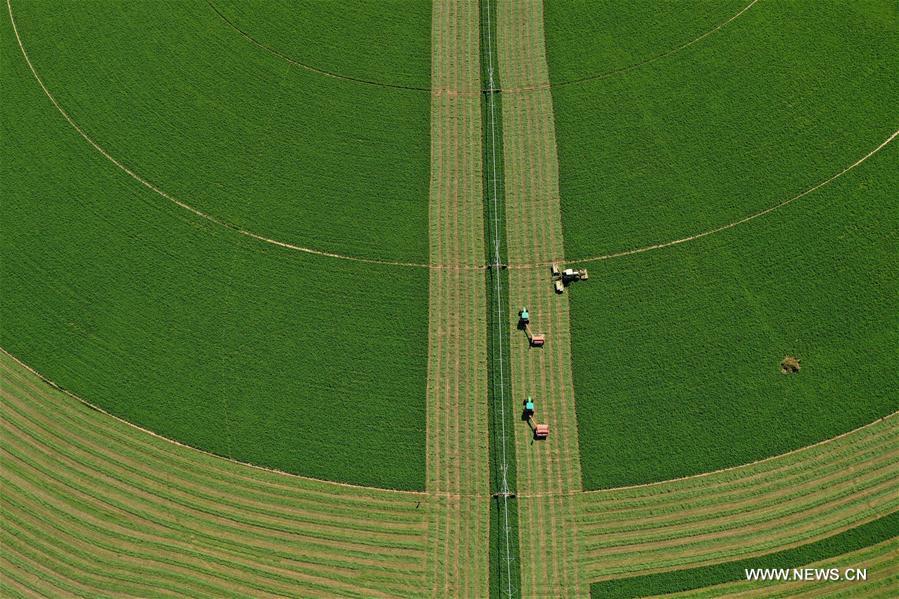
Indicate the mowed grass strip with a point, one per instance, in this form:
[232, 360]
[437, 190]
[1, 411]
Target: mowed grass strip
[780, 503]
[101, 506]
[457, 452]
[547, 471]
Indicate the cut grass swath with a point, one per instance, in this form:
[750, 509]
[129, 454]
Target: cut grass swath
[774, 505]
[547, 471]
[868, 546]
[457, 454]
[100, 506]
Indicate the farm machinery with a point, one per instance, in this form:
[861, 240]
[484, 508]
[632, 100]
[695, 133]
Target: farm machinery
[541, 431]
[562, 278]
[524, 323]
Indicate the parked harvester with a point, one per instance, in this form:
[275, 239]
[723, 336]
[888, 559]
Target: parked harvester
[524, 323]
[563, 278]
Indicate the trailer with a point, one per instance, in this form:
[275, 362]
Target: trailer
[524, 323]
[541, 431]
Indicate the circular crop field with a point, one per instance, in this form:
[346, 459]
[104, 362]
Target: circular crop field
[285, 307]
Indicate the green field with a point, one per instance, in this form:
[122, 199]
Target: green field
[780, 99]
[190, 104]
[592, 39]
[676, 351]
[236, 346]
[346, 39]
[254, 339]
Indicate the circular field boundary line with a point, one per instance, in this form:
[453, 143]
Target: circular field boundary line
[422, 494]
[375, 261]
[200, 213]
[725, 227]
[309, 67]
[635, 65]
[50, 383]
[750, 464]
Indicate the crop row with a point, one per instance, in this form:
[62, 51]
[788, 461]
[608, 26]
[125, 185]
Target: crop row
[94, 505]
[784, 502]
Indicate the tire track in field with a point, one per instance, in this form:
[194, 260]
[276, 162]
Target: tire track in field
[548, 471]
[101, 507]
[457, 477]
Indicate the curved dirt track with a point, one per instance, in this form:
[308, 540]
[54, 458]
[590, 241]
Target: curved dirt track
[93, 505]
[532, 86]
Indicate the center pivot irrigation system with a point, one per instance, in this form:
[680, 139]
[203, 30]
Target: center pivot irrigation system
[561, 279]
[496, 265]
